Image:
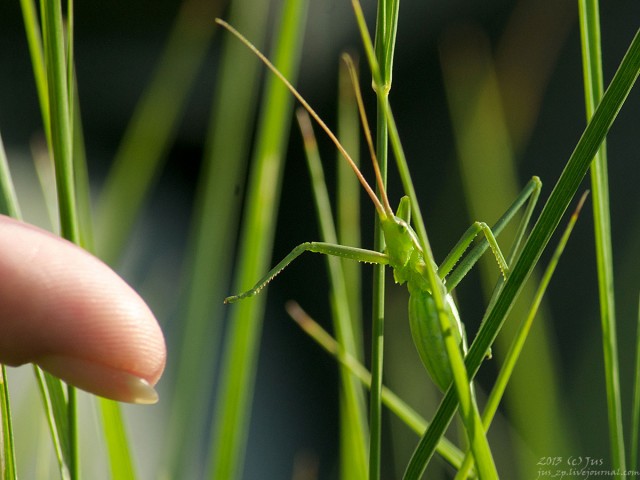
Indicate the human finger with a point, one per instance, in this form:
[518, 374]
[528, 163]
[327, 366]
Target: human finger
[68, 312]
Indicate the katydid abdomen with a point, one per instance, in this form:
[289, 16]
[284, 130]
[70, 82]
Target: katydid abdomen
[429, 338]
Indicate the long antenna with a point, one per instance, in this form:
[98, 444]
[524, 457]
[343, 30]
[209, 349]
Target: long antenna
[376, 202]
[367, 132]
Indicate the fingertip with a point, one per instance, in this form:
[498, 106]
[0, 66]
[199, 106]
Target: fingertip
[100, 379]
[64, 309]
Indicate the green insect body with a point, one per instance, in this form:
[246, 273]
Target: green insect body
[403, 251]
[429, 338]
[407, 260]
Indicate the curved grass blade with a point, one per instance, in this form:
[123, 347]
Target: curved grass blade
[593, 86]
[481, 129]
[354, 433]
[404, 412]
[120, 460]
[635, 408]
[8, 206]
[232, 412]
[212, 237]
[557, 203]
[56, 408]
[512, 356]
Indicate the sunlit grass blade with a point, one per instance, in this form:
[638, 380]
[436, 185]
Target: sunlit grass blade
[81, 178]
[120, 461]
[36, 52]
[62, 151]
[54, 399]
[348, 195]
[231, 413]
[8, 199]
[485, 151]
[61, 118]
[558, 202]
[7, 451]
[354, 437]
[152, 128]
[513, 355]
[8, 206]
[404, 412]
[635, 408]
[213, 234]
[593, 85]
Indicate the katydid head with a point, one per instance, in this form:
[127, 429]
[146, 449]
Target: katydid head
[402, 245]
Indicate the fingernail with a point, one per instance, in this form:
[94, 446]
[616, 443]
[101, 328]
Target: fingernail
[101, 380]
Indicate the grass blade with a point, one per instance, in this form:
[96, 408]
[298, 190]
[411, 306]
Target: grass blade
[635, 409]
[348, 195]
[61, 118]
[231, 413]
[481, 130]
[512, 356]
[386, 29]
[8, 206]
[120, 460]
[56, 410]
[213, 235]
[557, 203]
[7, 450]
[353, 412]
[593, 85]
[408, 415]
[36, 51]
[62, 152]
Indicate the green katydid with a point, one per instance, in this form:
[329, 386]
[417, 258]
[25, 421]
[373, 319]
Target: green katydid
[403, 252]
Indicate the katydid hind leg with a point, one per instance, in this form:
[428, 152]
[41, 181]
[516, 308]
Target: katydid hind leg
[528, 196]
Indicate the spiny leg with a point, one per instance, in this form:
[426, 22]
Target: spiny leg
[352, 253]
[529, 195]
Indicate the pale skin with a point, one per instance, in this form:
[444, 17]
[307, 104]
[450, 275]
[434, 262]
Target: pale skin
[66, 311]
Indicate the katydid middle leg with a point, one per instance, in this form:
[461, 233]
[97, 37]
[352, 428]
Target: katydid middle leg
[351, 253]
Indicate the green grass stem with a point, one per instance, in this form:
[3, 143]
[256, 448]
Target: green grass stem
[449, 452]
[354, 438]
[386, 29]
[8, 206]
[36, 52]
[57, 58]
[635, 408]
[213, 235]
[593, 86]
[232, 410]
